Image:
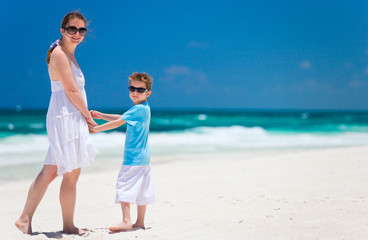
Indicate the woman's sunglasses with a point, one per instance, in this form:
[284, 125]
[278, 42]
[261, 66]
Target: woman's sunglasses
[73, 30]
[140, 90]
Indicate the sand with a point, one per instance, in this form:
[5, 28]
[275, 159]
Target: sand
[288, 194]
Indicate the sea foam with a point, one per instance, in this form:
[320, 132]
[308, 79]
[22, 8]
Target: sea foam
[18, 149]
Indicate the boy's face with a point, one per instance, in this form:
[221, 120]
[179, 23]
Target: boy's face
[136, 96]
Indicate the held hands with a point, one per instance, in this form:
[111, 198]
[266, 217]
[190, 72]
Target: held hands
[91, 128]
[91, 124]
[114, 121]
[95, 114]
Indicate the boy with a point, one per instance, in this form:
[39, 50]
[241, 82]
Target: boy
[134, 183]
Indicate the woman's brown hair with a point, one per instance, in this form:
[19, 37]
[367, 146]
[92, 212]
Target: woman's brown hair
[64, 23]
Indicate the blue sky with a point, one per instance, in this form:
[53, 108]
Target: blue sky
[201, 54]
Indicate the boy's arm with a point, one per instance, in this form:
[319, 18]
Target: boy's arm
[104, 116]
[107, 126]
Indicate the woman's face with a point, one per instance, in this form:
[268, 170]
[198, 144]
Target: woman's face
[70, 35]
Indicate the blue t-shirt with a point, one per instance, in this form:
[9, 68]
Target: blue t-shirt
[137, 151]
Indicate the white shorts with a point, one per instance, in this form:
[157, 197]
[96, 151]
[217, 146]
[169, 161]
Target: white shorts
[135, 185]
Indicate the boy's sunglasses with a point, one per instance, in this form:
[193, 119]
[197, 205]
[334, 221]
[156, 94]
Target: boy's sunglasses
[140, 90]
[73, 30]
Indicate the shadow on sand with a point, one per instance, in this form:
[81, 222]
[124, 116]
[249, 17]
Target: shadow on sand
[130, 230]
[60, 234]
[55, 235]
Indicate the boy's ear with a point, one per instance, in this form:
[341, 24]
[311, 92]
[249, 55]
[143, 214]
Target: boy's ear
[148, 93]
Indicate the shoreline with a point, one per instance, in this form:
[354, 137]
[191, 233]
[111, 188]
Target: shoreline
[289, 194]
[103, 162]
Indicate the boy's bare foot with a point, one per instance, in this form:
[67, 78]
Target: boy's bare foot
[24, 225]
[136, 225]
[121, 226]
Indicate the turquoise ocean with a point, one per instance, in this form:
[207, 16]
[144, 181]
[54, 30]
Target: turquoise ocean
[23, 139]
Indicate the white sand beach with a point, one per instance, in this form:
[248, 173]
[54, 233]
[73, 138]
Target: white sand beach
[285, 194]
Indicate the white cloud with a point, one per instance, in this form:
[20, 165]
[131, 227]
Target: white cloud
[30, 73]
[176, 70]
[197, 44]
[305, 64]
[313, 85]
[181, 76]
[356, 83]
[349, 66]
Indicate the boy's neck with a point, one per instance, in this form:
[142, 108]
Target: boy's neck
[139, 102]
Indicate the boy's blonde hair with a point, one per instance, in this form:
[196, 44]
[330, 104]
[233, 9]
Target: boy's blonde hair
[143, 77]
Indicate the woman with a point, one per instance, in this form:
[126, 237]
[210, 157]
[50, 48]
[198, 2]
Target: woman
[68, 121]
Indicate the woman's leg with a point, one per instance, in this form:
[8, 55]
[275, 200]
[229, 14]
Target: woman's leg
[36, 192]
[68, 193]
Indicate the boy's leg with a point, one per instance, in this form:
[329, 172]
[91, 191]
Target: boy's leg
[141, 212]
[145, 196]
[127, 221]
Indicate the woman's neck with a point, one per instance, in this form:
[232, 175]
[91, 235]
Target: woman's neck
[68, 49]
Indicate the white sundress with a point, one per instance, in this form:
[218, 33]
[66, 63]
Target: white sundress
[70, 144]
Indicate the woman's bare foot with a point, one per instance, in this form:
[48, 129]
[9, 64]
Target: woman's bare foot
[137, 225]
[24, 225]
[74, 230]
[121, 226]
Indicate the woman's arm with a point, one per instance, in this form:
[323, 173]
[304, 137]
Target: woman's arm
[61, 66]
[108, 126]
[107, 117]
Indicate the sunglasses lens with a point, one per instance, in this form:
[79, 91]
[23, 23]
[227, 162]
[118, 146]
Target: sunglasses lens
[71, 30]
[82, 31]
[141, 90]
